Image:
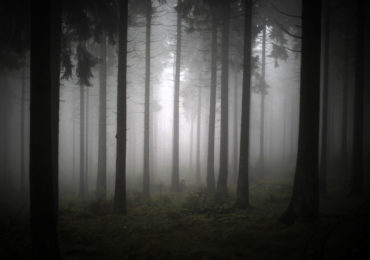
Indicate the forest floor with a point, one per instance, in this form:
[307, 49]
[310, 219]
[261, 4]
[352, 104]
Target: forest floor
[189, 226]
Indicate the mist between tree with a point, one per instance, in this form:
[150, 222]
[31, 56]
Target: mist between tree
[158, 98]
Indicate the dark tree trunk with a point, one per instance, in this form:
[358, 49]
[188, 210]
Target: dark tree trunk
[22, 135]
[197, 174]
[146, 174]
[357, 180]
[87, 144]
[44, 119]
[235, 134]
[212, 111]
[199, 110]
[191, 143]
[242, 194]
[325, 101]
[223, 174]
[73, 139]
[263, 95]
[345, 95]
[101, 183]
[175, 184]
[82, 190]
[305, 198]
[120, 182]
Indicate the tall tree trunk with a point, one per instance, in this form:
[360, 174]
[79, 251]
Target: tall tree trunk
[73, 139]
[222, 179]
[325, 102]
[22, 135]
[87, 143]
[175, 184]
[235, 134]
[197, 175]
[242, 194]
[44, 118]
[191, 150]
[82, 190]
[3, 99]
[120, 182]
[345, 95]
[263, 95]
[212, 110]
[101, 183]
[305, 198]
[146, 174]
[357, 179]
[5, 174]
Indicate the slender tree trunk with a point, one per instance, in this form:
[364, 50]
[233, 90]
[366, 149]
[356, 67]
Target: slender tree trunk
[263, 95]
[223, 174]
[73, 139]
[22, 136]
[101, 184]
[305, 198]
[325, 102]
[236, 126]
[212, 110]
[242, 194]
[357, 180]
[191, 143]
[146, 174]
[120, 182]
[345, 95]
[198, 175]
[87, 143]
[82, 190]
[44, 118]
[3, 99]
[175, 184]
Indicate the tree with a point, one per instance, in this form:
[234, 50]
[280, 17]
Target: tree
[120, 182]
[222, 179]
[85, 61]
[101, 182]
[146, 174]
[175, 184]
[357, 177]
[324, 141]
[199, 115]
[242, 199]
[305, 198]
[212, 108]
[44, 118]
[22, 137]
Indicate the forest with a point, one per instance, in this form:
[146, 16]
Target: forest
[184, 129]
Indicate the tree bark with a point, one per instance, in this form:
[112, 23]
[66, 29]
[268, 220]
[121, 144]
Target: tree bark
[82, 191]
[120, 182]
[325, 102]
[263, 95]
[305, 198]
[345, 95]
[101, 184]
[212, 110]
[223, 174]
[357, 180]
[44, 119]
[235, 134]
[242, 194]
[146, 174]
[175, 184]
[197, 174]
[22, 135]
[87, 143]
